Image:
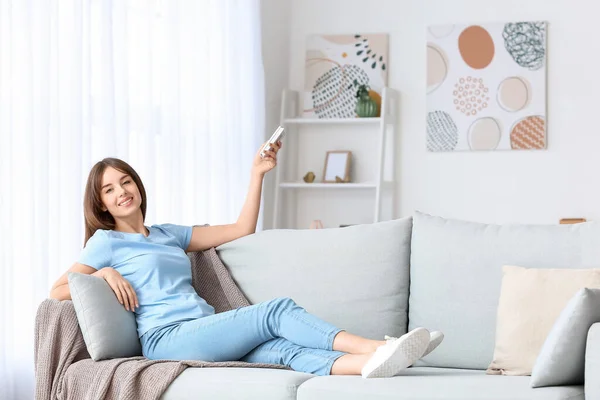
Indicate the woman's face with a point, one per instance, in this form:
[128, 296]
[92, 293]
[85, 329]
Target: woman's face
[119, 193]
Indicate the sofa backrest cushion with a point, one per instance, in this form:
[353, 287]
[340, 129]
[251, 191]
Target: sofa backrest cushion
[356, 277]
[456, 276]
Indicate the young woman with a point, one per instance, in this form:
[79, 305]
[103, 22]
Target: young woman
[149, 271]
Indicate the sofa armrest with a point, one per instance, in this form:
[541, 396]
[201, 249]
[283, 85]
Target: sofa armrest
[592, 363]
[58, 343]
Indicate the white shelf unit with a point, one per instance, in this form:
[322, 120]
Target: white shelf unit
[333, 121]
[386, 128]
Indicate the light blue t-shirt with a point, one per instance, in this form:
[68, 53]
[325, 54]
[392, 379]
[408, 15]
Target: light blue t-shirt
[158, 269]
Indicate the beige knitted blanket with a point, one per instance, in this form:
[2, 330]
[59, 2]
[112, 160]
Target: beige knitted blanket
[64, 369]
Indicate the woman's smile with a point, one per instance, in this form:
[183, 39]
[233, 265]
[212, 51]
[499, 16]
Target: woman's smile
[127, 202]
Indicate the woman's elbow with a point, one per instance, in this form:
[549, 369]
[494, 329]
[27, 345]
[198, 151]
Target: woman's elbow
[61, 292]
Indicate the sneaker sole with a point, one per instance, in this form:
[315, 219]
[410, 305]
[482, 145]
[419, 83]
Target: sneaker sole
[409, 349]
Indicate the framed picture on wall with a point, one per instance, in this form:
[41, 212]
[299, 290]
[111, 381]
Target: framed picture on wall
[486, 86]
[337, 164]
[336, 65]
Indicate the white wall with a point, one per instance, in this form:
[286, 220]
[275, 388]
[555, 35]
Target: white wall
[510, 186]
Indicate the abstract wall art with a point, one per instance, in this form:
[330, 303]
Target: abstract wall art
[336, 65]
[486, 87]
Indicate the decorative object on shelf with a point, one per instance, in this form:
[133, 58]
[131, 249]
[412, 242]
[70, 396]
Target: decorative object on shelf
[309, 177]
[491, 93]
[366, 107]
[336, 65]
[316, 224]
[337, 165]
[572, 220]
[340, 180]
[345, 226]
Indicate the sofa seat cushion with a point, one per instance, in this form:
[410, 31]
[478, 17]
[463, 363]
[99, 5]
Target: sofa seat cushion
[235, 383]
[428, 383]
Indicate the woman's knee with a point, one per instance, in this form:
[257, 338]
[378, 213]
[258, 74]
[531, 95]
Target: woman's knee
[284, 302]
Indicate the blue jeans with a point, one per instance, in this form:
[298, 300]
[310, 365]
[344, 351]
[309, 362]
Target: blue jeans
[274, 332]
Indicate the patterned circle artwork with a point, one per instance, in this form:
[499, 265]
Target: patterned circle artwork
[526, 43]
[442, 134]
[487, 86]
[471, 96]
[528, 133]
[333, 94]
[484, 134]
[513, 94]
[476, 47]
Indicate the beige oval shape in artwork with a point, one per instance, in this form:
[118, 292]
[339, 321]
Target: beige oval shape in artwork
[513, 94]
[437, 67]
[476, 47]
[529, 133]
[484, 134]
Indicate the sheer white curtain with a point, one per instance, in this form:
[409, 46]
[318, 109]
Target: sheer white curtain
[175, 88]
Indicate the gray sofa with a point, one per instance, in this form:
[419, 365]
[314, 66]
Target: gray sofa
[392, 276]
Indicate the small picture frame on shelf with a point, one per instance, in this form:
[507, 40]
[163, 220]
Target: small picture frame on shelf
[337, 166]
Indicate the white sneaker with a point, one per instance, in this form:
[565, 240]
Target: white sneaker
[435, 338]
[397, 354]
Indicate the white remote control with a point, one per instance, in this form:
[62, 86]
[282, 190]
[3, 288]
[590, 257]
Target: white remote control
[275, 137]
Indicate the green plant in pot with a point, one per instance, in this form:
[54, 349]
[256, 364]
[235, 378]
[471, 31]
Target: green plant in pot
[365, 106]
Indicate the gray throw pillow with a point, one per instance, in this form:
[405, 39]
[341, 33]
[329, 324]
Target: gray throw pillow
[562, 358]
[108, 329]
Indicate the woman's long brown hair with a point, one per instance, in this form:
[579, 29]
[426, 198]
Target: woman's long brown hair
[95, 218]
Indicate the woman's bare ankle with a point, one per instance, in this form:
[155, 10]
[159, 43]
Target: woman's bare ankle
[350, 364]
[353, 344]
[376, 344]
